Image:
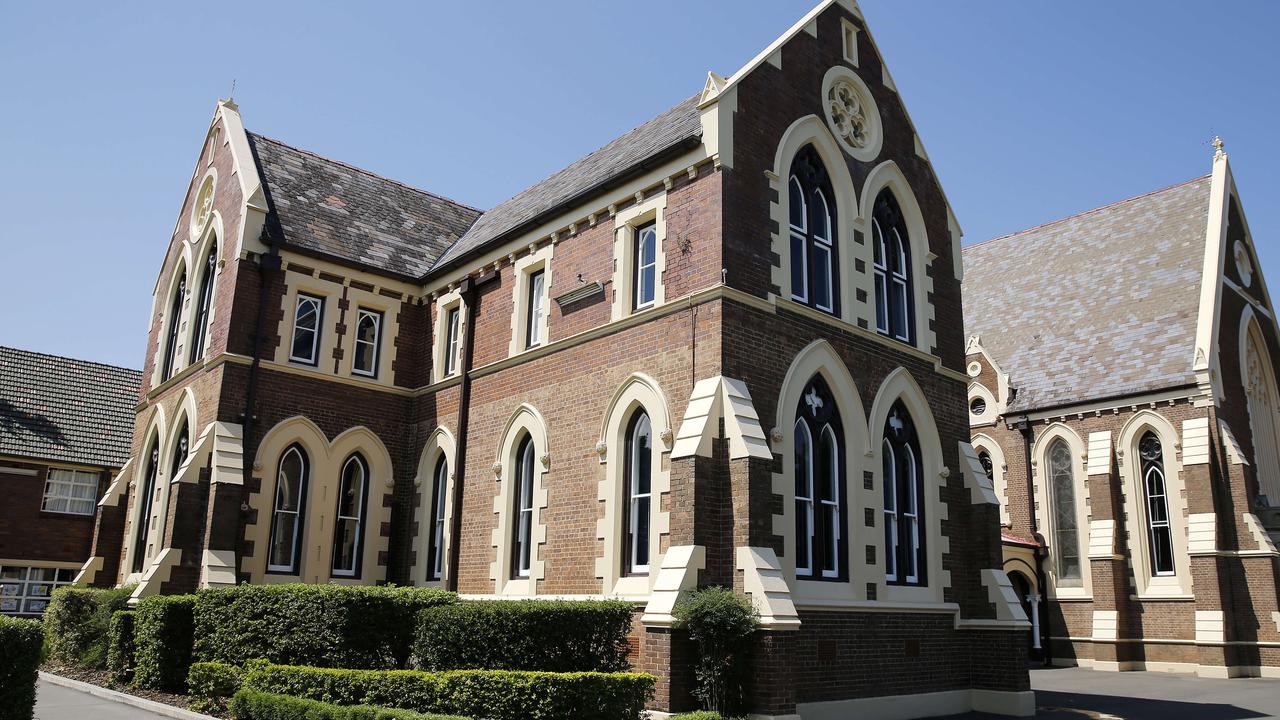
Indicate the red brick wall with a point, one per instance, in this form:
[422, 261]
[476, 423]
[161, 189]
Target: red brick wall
[29, 533]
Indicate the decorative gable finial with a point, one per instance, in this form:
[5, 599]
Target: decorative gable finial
[1219, 150]
[715, 83]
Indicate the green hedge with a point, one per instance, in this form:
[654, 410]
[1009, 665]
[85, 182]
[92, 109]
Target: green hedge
[163, 637]
[120, 646]
[698, 715]
[253, 705]
[548, 635]
[77, 621]
[320, 625]
[492, 694]
[210, 685]
[21, 645]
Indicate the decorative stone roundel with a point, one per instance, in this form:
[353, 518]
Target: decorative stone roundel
[203, 207]
[1244, 266]
[974, 369]
[851, 113]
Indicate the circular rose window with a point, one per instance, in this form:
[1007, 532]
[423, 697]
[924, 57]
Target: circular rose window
[852, 113]
[203, 207]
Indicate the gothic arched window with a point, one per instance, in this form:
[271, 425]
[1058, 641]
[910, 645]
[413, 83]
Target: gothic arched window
[175, 317]
[903, 489]
[892, 265]
[819, 483]
[522, 525]
[435, 545]
[349, 524]
[638, 489]
[814, 260]
[984, 459]
[201, 318]
[145, 501]
[1066, 526]
[1160, 534]
[286, 514]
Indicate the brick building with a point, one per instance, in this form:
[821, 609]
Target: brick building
[725, 348]
[65, 427]
[1144, 537]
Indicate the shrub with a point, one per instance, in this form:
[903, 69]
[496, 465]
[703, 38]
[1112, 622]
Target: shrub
[254, 705]
[492, 694]
[698, 715]
[21, 645]
[721, 624]
[120, 646]
[77, 621]
[321, 625]
[210, 685]
[163, 638]
[549, 635]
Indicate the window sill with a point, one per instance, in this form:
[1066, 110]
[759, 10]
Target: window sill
[88, 516]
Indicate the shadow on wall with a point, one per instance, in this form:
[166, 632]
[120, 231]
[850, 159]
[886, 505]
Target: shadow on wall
[18, 421]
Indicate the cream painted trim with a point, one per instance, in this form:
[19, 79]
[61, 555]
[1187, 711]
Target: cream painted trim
[678, 572]
[626, 222]
[156, 574]
[525, 420]
[88, 571]
[1001, 594]
[1202, 534]
[1099, 454]
[1039, 464]
[533, 261]
[904, 707]
[1210, 626]
[1133, 493]
[119, 483]
[325, 468]
[714, 399]
[440, 443]
[974, 346]
[1195, 441]
[1259, 534]
[988, 415]
[1106, 624]
[1102, 540]
[871, 111]
[1000, 484]
[56, 564]
[440, 332]
[764, 580]
[637, 392]
[1114, 405]
[981, 488]
[1253, 343]
[388, 331]
[330, 292]
[1205, 350]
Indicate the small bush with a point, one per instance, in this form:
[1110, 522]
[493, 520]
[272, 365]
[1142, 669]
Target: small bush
[120, 646]
[698, 715]
[320, 625]
[254, 705]
[721, 624]
[21, 645]
[548, 635]
[163, 637]
[492, 694]
[77, 622]
[210, 685]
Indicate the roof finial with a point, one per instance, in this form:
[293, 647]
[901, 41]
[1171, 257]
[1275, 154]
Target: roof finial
[1218, 145]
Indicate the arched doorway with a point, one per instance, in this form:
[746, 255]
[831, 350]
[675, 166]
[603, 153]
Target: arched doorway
[1030, 601]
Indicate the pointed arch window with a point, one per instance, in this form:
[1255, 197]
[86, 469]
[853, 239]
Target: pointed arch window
[181, 447]
[1066, 526]
[892, 268]
[1159, 532]
[819, 485]
[368, 339]
[522, 526]
[984, 459]
[175, 318]
[201, 319]
[348, 532]
[812, 222]
[638, 486]
[435, 545]
[145, 501]
[903, 489]
[285, 545]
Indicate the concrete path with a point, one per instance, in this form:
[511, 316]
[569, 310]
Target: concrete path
[63, 699]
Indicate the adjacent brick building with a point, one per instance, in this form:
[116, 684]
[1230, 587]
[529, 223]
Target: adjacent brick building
[64, 432]
[1127, 357]
[725, 348]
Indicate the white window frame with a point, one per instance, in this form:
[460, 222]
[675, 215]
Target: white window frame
[524, 478]
[295, 550]
[453, 329]
[62, 490]
[649, 229]
[626, 273]
[825, 245]
[799, 233]
[534, 334]
[538, 259]
[439, 512]
[636, 498]
[358, 549]
[806, 571]
[376, 316]
[318, 300]
[447, 347]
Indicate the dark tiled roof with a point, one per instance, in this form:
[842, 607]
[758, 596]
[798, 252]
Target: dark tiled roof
[668, 130]
[1097, 305]
[331, 208]
[56, 408]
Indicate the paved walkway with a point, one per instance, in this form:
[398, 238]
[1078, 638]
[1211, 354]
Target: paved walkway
[58, 702]
[1077, 694]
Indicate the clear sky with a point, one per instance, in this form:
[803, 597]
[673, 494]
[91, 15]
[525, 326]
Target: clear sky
[1030, 111]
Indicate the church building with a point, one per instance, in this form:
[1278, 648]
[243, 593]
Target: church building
[1122, 397]
[727, 348]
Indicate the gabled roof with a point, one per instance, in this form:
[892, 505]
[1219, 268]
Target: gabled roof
[57, 408]
[327, 207]
[666, 132]
[1100, 304]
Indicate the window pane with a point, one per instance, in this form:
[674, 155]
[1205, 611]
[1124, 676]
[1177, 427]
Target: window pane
[1062, 480]
[822, 277]
[366, 357]
[451, 348]
[306, 329]
[882, 309]
[821, 218]
[797, 209]
[536, 290]
[799, 268]
[642, 533]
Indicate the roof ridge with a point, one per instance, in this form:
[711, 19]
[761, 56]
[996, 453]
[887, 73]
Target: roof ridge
[358, 169]
[68, 357]
[1086, 212]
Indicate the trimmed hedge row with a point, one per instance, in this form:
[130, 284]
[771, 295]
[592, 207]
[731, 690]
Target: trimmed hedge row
[546, 635]
[163, 638]
[21, 645]
[492, 694]
[120, 646]
[254, 705]
[319, 625]
[77, 621]
[210, 684]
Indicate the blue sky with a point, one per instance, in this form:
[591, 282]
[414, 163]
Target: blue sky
[1030, 111]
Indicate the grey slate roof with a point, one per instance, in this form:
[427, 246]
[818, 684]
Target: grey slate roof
[57, 408]
[673, 127]
[1097, 305]
[331, 208]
